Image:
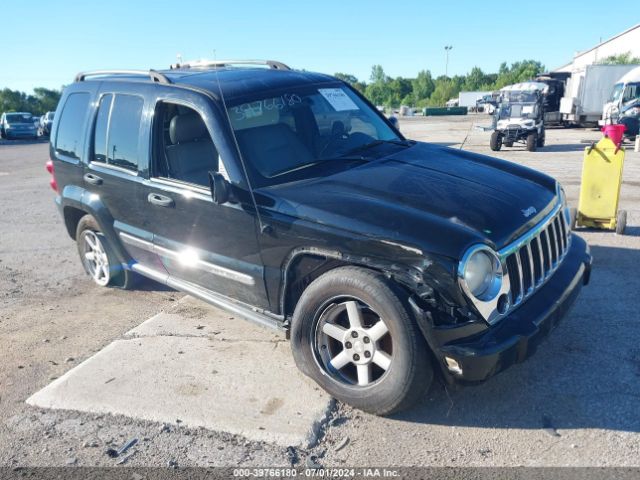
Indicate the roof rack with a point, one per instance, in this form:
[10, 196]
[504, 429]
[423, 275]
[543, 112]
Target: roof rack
[273, 64]
[154, 75]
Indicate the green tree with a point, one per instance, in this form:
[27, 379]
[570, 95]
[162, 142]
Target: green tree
[351, 80]
[620, 59]
[376, 93]
[424, 90]
[397, 90]
[346, 77]
[475, 79]
[13, 100]
[378, 75]
[46, 100]
[446, 89]
[423, 86]
[518, 72]
[42, 101]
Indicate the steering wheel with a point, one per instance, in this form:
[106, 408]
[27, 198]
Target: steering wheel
[338, 132]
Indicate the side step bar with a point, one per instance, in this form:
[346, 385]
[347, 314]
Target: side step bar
[215, 299]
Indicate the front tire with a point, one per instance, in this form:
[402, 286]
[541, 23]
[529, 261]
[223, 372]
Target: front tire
[541, 139]
[532, 140]
[496, 141]
[352, 333]
[97, 257]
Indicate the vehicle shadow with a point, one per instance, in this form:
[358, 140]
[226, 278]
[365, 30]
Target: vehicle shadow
[585, 375]
[629, 231]
[30, 141]
[632, 231]
[563, 147]
[145, 284]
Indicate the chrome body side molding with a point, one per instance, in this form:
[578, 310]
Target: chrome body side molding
[189, 261]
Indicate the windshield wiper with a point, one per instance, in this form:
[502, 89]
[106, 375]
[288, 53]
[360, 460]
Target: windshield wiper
[375, 143]
[354, 158]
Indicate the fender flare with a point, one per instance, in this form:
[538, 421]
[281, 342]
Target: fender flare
[91, 203]
[406, 275]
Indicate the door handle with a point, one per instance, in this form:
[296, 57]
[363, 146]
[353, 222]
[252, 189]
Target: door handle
[160, 200]
[92, 179]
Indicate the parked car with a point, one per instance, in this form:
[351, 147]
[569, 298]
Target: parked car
[387, 261]
[46, 121]
[17, 125]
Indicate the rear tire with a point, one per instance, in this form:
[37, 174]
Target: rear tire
[98, 259]
[340, 340]
[496, 142]
[541, 139]
[621, 222]
[532, 140]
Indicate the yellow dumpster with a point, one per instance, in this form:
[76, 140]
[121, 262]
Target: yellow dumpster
[600, 187]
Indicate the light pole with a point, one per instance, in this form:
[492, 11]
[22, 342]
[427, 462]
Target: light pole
[447, 49]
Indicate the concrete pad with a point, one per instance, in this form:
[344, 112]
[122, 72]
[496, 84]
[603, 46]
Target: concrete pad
[193, 317]
[169, 369]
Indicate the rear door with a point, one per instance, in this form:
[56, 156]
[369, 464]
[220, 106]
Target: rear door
[118, 152]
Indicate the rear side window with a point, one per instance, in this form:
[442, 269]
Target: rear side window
[117, 130]
[71, 127]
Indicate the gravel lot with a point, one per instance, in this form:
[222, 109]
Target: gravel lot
[573, 403]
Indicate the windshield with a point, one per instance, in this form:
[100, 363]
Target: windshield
[618, 88]
[18, 118]
[631, 92]
[517, 110]
[520, 97]
[300, 132]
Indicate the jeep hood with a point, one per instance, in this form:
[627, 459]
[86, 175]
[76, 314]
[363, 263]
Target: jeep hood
[434, 198]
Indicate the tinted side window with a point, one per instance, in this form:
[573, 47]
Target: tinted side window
[100, 131]
[183, 150]
[124, 127]
[71, 127]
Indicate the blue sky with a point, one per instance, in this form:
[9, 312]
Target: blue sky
[46, 42]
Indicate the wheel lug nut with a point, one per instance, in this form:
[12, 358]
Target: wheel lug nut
[366, 340]
[367, 354]
[354, 334]
[348, 344]
[356, 357]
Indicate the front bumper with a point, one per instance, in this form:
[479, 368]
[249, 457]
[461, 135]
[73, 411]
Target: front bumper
[15, 133]
[491, 349]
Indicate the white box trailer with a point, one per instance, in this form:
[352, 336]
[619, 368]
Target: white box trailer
[469, 99]
[587, 91]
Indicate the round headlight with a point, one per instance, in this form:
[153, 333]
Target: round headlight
[478, 273]
[482, 274]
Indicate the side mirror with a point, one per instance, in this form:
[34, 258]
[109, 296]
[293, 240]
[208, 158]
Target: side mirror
[220, 188]
[394, 121]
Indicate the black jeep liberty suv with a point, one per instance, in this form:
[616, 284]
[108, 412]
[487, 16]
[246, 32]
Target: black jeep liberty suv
[285, 197]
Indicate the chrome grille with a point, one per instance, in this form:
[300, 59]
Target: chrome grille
[534, 260]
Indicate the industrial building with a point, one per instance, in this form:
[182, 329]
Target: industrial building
[627, 41]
